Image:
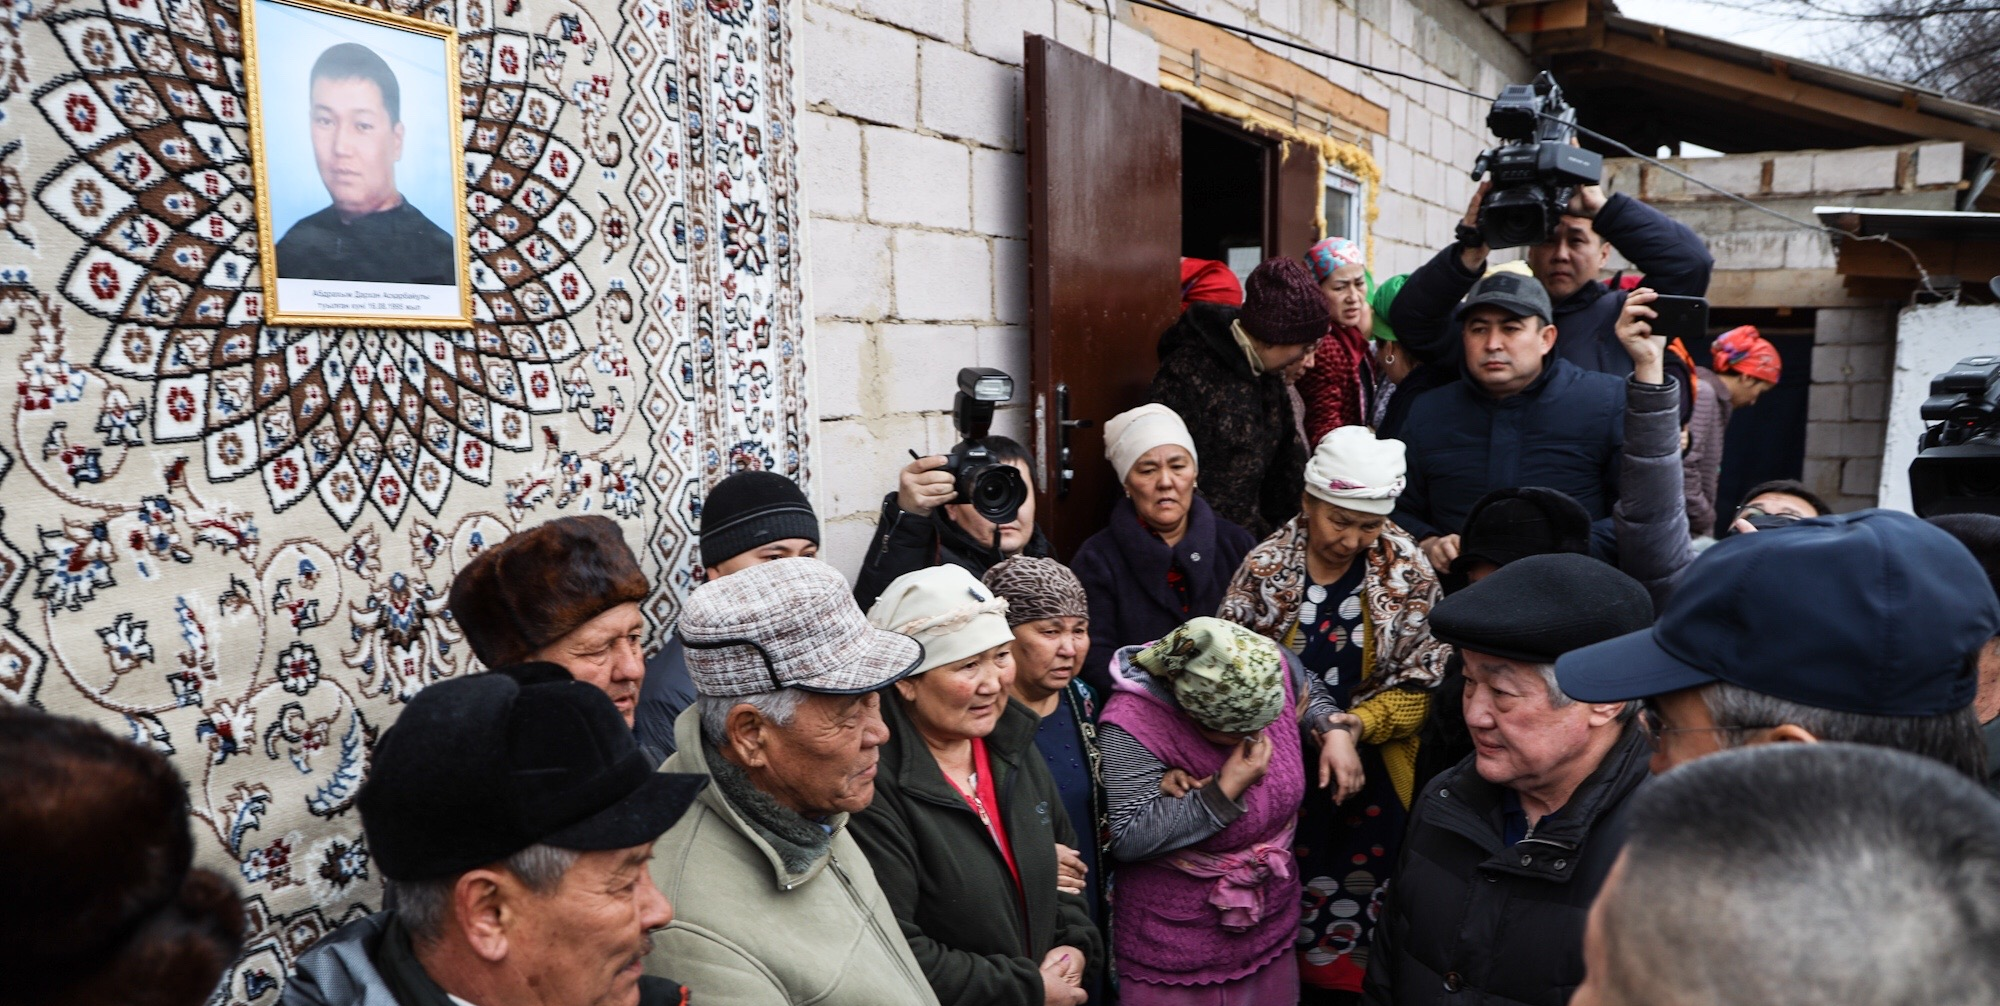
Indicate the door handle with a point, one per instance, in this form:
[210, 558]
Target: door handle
[1065, 470]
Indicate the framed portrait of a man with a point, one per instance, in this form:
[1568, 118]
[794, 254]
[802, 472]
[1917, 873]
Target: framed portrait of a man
[354, 128]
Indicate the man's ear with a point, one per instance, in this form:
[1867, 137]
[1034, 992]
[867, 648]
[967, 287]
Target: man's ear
[399, 140]
[745, 734]
[481, 911]
[1548, 334]
[1789, 733]
[1602, 713]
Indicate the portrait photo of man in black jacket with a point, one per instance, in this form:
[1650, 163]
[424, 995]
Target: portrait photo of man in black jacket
[369, 233]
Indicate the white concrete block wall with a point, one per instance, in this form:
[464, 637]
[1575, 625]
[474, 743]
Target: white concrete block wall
[914, 184]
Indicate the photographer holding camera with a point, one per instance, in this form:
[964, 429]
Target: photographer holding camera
[971, 508]
[1541, 191]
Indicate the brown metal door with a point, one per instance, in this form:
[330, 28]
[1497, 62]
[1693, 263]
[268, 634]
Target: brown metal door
[1104, 191]
[1297, 188]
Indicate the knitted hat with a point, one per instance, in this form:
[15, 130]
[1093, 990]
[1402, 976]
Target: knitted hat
[1351, 468]
[1381, 300]
[1225, 677]
[1542, 607]
[749, 509]
[1283, 305]
[1130, 434]
[955, 616]
[1035, 589]
[1741, 350]
[540, 584]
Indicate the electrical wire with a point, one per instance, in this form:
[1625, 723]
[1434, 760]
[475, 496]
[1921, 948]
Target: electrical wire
[1923, 274]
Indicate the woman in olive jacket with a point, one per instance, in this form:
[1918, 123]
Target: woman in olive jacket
[966, 819]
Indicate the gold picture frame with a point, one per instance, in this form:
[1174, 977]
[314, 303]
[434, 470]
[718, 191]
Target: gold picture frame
[344, 96]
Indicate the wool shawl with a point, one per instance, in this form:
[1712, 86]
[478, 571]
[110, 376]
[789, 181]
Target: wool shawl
[1397, 589]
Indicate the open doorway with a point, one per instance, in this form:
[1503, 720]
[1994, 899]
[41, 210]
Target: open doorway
[1223, 177]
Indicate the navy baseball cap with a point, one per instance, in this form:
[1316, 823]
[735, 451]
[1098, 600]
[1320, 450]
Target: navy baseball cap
[1875, 612]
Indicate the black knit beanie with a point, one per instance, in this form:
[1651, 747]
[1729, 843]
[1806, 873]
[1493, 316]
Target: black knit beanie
[1282, 306]
[749, 509]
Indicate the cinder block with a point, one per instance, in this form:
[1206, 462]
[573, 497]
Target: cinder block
[1401, 112]
[1741, 175]
[1006, 348]
[843, 368]
[869, 453]
[1829, 364]
[1854, 170]
[917, 179]
[999, 193]
[1868, 401]
[1870, 362]
[1823, 440]
[1862, 440]
[942, 277]
[1791, 173]
[1135, 52]
[968, 96]
[849, 268]
[1821, 474]
[915, 364]
[844, 539]
[1940, 164]
[1663, 185]
[945, 21]
[830, 160]
[1078, 28]
[1808, 250]
[995, 30]
[1748, 249]
[1861, 476]
[858, 67]
[1827, 402]
[1852, 326]
[1010, 281]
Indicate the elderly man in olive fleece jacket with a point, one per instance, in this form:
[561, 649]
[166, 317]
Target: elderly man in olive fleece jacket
[1222, 369]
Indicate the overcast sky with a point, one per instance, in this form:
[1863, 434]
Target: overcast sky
[1777, 34]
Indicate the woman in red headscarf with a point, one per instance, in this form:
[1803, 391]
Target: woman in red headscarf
[1338, 389]
[1746, 366]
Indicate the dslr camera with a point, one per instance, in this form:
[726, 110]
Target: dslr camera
[1536, 171]
[993, 487]
[1957, 468]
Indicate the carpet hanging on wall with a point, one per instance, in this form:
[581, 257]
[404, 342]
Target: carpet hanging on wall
[232, 542]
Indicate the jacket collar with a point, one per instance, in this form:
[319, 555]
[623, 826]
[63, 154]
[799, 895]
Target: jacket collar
[954, 538]
[691, 756]
[1585, 295]
[916, 771]
[1469, 806]
[1208, 326]
[1555, 371]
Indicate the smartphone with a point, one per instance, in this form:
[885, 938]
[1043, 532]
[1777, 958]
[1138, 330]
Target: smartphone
[1684, 318]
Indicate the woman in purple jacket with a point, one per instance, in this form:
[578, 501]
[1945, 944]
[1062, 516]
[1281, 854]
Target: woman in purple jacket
[1165, 557]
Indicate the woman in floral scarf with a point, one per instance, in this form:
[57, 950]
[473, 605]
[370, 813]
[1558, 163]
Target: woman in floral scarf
[1350, 593]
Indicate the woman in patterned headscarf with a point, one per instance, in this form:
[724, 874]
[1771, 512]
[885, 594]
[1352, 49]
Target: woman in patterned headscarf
[1339, 387]
[1350, 593]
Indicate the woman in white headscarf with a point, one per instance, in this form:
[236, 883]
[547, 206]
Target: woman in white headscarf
[1349, 592]
[1165, 557]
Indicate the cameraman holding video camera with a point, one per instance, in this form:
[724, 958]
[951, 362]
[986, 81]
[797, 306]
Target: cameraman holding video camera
[1670, 256]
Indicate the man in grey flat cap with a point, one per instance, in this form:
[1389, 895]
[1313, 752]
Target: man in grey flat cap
[775, 904]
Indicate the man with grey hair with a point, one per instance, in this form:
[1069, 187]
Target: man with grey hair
[1506, 849]
[516, 813]
[1864, 627]
[776, 904]
[1796, 875]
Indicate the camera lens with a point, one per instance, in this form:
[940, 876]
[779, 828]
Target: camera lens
[997, 492]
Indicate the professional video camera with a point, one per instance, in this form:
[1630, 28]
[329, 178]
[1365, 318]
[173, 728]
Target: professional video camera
[1957, 468]
[993, 487]
[1537, 171]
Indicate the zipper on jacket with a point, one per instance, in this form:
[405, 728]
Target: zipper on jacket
[874, 923]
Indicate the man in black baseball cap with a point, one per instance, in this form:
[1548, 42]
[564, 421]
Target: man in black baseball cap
[516, 814]
[747, 519]
[1520, 417]
[1862, 627]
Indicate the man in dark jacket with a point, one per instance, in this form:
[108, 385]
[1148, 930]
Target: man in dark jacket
[1521, 417]
[516, 814]
[921, 527]
[1670, 256]
[747, 519]
[1506, 850]
[1223, 370]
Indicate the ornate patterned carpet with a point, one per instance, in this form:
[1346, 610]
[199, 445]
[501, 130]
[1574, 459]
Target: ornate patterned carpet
[232, 542]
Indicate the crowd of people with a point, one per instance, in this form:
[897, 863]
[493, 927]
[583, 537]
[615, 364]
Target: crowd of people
[1409, 669]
